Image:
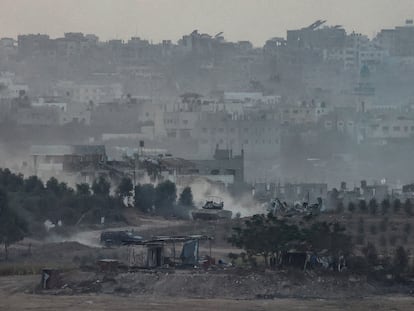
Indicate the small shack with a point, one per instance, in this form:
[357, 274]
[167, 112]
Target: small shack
[161, 251]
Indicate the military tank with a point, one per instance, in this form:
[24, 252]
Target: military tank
[212, 210]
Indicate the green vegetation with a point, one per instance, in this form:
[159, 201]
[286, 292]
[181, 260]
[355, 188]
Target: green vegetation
[165, 198]
[13, 228]
[144, 197]
[268, 236]
[29, 200]
[186, 198]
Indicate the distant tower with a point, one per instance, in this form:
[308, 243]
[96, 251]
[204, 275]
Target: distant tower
[364, 91]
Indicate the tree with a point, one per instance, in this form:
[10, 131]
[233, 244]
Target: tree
[407, 229]
[408, 208]
[351, 207]
[125, 188]
[385, 206]
[361, 226]
[101, 187]
[12, 227]
[11, 182]
[329, 236]
[144, 197]
[83, 189]
[373, 229]
[397, 206]
[333, 199]
[33, 184]
[186, 197]
[384, 224]
[362, 206]
[165, 197]
[57, 188]
[400, 259]
[265, 235]
[373, 206]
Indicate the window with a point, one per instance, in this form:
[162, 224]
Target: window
[385, 128]
[396, 128]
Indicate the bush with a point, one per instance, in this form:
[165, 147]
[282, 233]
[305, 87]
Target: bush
[400, 261]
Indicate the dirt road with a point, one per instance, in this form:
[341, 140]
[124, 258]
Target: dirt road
[16, 293]
[109, 302]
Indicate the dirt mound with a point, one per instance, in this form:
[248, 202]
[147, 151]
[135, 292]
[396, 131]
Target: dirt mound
[226, 284]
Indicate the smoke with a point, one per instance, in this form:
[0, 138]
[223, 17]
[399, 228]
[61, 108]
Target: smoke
[243, 205]
[87, 238]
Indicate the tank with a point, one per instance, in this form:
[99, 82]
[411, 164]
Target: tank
[212, 210]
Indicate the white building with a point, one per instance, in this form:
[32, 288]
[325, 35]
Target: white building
[89, 92]
[304, 113]
[388, 128]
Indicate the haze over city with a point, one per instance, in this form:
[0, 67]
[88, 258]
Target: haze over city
[206, 155]
[159, 20]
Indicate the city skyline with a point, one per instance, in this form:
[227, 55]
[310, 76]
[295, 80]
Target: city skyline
[159, 20]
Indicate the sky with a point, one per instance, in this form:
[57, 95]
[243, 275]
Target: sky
[156, 20]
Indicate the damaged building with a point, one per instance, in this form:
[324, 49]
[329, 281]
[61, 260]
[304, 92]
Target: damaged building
[162, 251]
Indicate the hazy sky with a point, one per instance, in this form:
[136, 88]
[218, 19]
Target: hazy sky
[254, 20]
